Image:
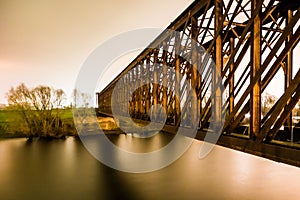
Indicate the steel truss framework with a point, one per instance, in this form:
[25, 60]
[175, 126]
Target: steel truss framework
[250, 42]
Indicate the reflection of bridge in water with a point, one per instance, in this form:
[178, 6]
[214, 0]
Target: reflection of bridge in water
[252, 43]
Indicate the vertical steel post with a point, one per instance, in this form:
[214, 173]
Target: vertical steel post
[165, 78]
[155, 85]
[217, 100]
[255, 108]
[102, 103]
[288, 73]
[199, 87]
[136, 93]
[131, 95]
[148, 95]
[177, 78]
[141, 89]
[97, 99]
[132, 106]
[126, 104]
[194, 81]
[231, 81]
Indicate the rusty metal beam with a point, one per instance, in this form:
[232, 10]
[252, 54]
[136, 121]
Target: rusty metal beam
[217, 99]
[266, 38]
[255, 97]
[194, 73]
[288, 74]
[282, 102]
[231, 80]
[285, 114]
[164, 76]
[177, 79]
[148, 87]
[155, 85]
[266, 63]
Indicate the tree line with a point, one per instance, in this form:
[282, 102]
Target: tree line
[40, 108]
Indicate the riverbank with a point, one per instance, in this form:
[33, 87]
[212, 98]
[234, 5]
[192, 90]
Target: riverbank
[13, 126]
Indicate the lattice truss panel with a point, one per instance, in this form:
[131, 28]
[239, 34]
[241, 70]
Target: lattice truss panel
[249, 41]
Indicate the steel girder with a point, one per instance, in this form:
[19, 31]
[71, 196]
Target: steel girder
[249, 40]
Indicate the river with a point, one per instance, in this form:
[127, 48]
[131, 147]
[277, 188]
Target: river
[64, 169]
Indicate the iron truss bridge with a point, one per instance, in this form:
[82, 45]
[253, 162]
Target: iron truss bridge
[251, 43]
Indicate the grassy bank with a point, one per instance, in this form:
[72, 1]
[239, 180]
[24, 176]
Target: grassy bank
[12, 125]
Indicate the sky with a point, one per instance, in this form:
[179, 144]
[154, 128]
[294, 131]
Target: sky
[45, 42]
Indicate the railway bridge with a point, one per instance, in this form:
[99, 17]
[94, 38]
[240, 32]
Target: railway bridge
[214, 65]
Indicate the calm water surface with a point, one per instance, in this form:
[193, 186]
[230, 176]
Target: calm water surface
[63, 169]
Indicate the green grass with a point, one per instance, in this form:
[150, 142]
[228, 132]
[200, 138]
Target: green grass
[8, 115]
[67, 114]
[2, 116]
[12, 115]
[12, 125]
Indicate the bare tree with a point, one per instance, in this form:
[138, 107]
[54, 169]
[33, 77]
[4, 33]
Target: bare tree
[83, 112]
[296, 111]
[39, 108]
[268, 101]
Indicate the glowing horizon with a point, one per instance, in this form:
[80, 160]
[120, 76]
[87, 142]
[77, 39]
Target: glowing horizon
[46, 42]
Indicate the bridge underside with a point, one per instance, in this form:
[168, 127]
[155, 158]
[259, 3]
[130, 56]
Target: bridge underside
[249, 48]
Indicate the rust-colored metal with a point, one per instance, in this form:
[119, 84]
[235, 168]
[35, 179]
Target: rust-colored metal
[217, 99]
[155, 85]
[194, 75]
[255, 107]
[256, 36]
[288, 73]
[231, 81]
[177, 79]
[165, 77]
[148, 88]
